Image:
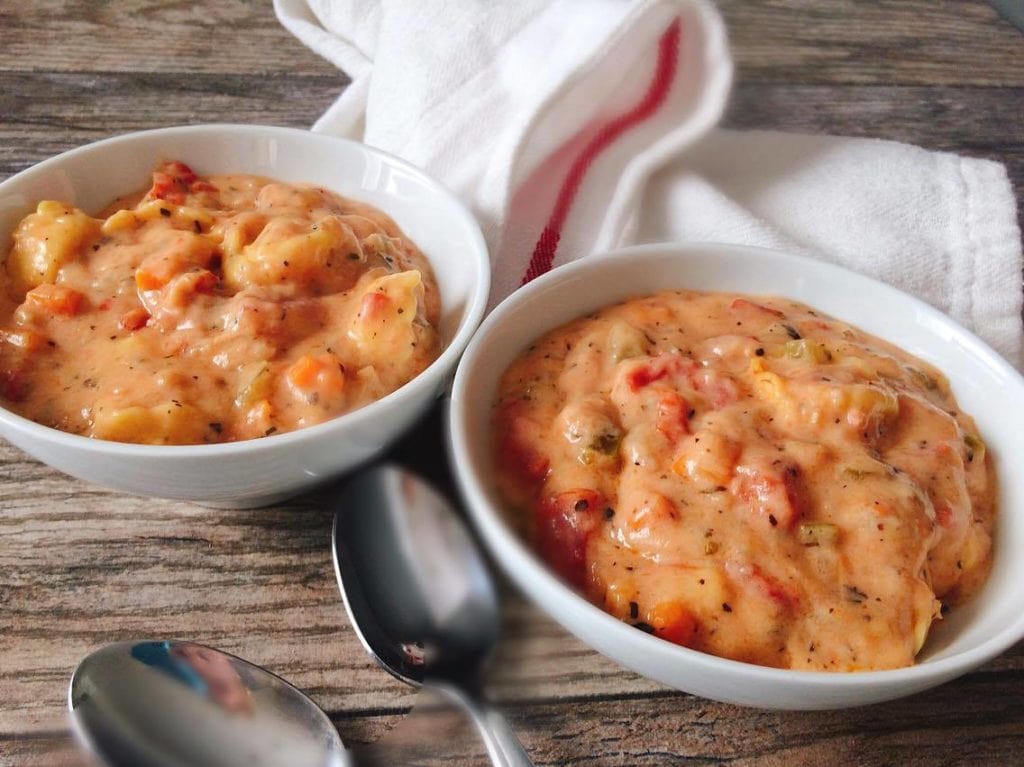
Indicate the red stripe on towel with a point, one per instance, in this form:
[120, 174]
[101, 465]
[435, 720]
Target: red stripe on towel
[664, 75]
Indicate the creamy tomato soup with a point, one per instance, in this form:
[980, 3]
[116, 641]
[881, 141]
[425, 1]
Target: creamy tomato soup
[747, 477]
[210, 310]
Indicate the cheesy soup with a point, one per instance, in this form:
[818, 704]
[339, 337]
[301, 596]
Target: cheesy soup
[210, 310]
[747, 477]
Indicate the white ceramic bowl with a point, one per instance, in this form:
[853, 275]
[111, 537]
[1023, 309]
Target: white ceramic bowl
[984, 384]
[258, 472]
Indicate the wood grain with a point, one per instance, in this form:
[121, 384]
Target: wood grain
[168, 38]
[882, 42]
[81, 566]
[910, 42]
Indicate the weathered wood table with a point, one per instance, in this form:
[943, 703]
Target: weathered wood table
[81, 566]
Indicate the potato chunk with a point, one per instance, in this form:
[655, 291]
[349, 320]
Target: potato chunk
[169, 423]
[819, 402]
[259, 384]
[168, 254]
[707, 459]
[384, 328]
[46, 240]
[625, 341]
[325, 255]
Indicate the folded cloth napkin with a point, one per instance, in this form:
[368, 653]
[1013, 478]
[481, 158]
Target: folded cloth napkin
[574, 126]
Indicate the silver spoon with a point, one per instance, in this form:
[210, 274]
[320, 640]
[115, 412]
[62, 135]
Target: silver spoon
[182, 704]
[419, 596]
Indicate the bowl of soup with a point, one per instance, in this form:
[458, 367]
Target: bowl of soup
[228, 314]
[747, 475]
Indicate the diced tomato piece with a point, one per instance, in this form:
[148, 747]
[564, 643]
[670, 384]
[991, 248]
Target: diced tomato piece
[133, 319]
[673, 419]
[755, 580]
[55, 299]
[774, 589]
[723, 392]
[750, 307]
[657, 368]
[719, 391]
[529, 464]
[172, 181]
[770, 493]
[13, 385]
[203, 186]
[944, 515]
[179, 171]
[515, 430]
[163, 187]
[673, 622]
[683, 371]
[564, 523]
[643, 376]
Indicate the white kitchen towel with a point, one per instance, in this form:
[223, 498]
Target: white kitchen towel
[573, 126]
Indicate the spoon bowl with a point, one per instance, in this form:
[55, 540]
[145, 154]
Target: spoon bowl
[181, 704]
[412, 580]
[419, 595]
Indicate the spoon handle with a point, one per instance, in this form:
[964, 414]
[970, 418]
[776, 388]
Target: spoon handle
[503, 747]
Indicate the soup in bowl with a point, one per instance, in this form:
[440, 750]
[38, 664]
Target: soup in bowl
[538, 419]
[292, 400]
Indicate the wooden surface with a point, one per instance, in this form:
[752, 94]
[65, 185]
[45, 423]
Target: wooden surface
[80, 566]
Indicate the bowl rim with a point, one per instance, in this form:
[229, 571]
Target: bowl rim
[429, 376]
[526, 569]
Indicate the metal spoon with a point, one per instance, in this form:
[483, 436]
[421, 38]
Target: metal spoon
[181, 704]
[418, 594]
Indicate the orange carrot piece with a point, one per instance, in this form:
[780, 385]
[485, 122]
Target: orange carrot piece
[147, 280]
[323, 372]
[55, 299]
